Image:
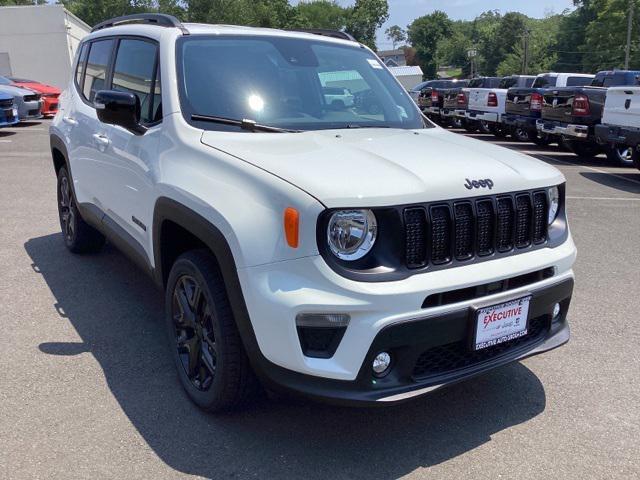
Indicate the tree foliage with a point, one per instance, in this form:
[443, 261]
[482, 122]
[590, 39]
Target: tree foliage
[425, 33]
[396, 35]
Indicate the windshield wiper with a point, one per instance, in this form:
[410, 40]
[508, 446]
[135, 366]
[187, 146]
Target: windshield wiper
[244, 124]
[367, 126]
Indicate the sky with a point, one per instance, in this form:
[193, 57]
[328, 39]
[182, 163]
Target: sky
[403, 12]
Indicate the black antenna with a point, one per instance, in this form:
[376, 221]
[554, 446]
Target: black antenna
[159, 19]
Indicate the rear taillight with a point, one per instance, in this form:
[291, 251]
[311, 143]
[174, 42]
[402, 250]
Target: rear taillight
[462, 99]
[492, 100]
[581, 105]
[536, 101]
[434, 96]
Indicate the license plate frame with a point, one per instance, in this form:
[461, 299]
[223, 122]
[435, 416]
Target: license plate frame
[493, 337]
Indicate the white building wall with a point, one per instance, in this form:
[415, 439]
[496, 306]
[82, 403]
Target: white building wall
[40, 42]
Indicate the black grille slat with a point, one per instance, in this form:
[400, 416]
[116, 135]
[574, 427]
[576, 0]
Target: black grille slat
[461, 230]
[485, 227]
[440, 234]
[6, 103]
[415, 220]
[539, 217]
[524, 224]
[505, 230]
[464, 228]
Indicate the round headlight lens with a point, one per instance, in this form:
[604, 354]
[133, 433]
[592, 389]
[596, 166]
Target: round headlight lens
[352, 233]
[554, 204]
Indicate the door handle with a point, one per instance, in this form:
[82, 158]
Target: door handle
[101, 140]
[70, 120]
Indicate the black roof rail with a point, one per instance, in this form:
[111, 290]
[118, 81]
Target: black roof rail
[159, 19]
[325, 32]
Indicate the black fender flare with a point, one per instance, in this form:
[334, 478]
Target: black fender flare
[169, 209]
[57, 143]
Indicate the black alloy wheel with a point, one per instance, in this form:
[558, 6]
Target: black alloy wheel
[66, 210]
[194, 334]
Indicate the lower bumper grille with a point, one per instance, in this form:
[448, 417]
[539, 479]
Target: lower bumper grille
[448, 358]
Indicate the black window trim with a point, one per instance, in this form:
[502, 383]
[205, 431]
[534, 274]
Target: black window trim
[108, 81]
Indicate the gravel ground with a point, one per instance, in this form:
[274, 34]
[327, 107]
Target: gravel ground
[87, 389]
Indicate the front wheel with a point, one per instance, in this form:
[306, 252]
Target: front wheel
[204, 340]
[621, 155]
[79, 236]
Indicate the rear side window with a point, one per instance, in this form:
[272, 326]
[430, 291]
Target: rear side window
[546, 81]
[96, 70]
[578, 81]
[82, 60]
[134, 71]
[507, 82]
[526, 82]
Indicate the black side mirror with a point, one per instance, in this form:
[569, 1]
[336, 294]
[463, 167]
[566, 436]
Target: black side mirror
[119, 108]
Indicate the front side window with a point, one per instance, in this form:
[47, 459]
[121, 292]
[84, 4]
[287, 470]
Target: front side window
[134, 72]
[96, 70]
[289, 83]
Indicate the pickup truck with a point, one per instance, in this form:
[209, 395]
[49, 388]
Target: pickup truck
[620, 127]
[573, 113]
[487, 105]
[524, 105]
[430, 98]
[457, 99]
[451, 104]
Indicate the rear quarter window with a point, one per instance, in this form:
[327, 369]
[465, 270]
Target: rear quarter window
[578, 81]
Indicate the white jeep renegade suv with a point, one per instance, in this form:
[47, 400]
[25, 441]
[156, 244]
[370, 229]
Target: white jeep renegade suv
[335, 253]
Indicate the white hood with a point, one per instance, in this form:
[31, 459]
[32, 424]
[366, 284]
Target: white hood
[377, 167]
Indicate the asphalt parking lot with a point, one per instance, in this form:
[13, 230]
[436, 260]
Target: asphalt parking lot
[87, 389]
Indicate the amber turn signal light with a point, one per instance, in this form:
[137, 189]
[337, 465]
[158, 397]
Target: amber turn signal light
[291, 226]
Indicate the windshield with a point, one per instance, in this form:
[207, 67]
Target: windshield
[545, 81]
[289, 83]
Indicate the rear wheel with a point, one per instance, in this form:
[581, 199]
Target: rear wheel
[522, 134]
[542, 139]
[484, 127]
[79, 236]
[204, 340]
[584, 149]
[498, 130]
[470, 125]
[621, 155]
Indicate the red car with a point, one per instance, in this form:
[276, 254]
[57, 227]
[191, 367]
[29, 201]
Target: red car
[49, 94]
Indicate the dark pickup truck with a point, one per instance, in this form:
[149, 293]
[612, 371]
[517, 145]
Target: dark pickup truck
[573, 112]
[456, 101]
[430, 98]
[523, 105]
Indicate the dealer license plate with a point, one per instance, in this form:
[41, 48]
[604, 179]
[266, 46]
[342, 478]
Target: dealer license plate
[501, 323]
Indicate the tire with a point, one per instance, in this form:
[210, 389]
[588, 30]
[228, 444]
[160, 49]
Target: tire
[217, 378]
[584, 149]
[621, 155]
[498, 131]
[484, 127]
[522, 135]
[470, 126]
[79, 236]
[542, 139]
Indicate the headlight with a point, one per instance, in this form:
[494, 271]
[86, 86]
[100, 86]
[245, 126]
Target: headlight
[352, 233]
[554, 204]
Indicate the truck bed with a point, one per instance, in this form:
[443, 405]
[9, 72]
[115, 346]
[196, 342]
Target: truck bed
[622, 107]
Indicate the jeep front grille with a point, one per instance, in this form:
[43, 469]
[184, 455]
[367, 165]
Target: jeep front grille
[458, 231]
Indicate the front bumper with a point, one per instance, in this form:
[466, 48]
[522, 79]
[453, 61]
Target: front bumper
[520, 121]
[612, 134]
[552, 127]
[491, 117]
[8, 116]
[30, 110]
[433, 351]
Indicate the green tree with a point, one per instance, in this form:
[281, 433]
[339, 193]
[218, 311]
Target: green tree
[321, 14]
[424, 34]
[365, 18]
[396, 35]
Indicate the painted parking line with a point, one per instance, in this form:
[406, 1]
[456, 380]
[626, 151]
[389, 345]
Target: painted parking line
[593, 169]
[6, 141]
[625, 199]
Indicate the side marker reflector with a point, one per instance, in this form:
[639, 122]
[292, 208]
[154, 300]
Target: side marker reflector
[291, 226]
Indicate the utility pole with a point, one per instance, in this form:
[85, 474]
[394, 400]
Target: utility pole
[525, 60]
[627, 49]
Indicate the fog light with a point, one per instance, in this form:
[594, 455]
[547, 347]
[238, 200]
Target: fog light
[556, 311]
[381, 364]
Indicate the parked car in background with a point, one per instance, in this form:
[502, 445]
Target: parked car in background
[450, 106]
[487, 105]
[414, 93]
[49, 94]
[524, 105]
[8, 112]
[573, 113]
[338, 97]
[463, 99]
[366, 101]
[427, 94]
[27, 102]
[620, 127]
